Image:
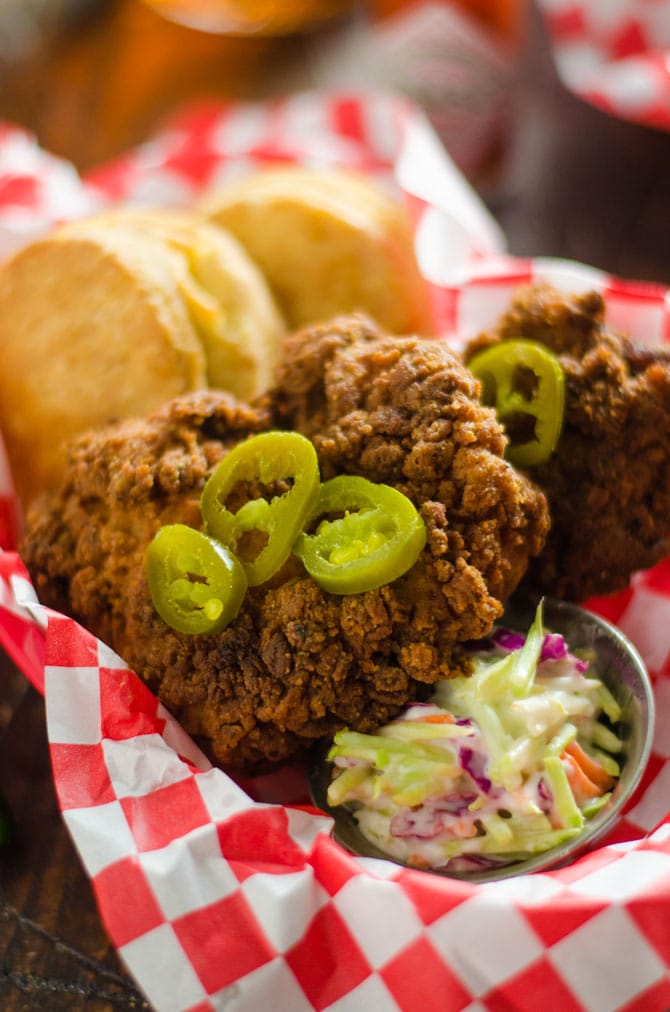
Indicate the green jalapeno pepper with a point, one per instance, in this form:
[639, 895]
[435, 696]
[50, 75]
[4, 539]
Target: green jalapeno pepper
[378, 538]
[197, 585]
[525, 383]
[266, 459]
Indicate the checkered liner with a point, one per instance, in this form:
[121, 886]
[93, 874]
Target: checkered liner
[615, 53]
[215, 898]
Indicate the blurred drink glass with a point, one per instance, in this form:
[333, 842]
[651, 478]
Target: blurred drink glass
[503, 18]
[454, 58]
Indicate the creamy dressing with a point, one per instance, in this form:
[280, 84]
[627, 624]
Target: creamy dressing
[505, 762]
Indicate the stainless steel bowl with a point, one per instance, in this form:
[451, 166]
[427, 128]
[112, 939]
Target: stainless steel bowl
[622, 669]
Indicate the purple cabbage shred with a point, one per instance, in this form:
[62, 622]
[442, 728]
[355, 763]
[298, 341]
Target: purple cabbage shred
[431, 818]
[506, 639]
[553, 648]
[474, 763]
[545, 795]
[465, 863]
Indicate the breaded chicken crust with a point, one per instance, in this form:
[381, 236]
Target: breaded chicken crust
[299, 663]
[608, 481]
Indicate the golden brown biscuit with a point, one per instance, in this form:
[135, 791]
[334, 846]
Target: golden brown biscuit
[101, 320]
[328, 242]
[228, 299]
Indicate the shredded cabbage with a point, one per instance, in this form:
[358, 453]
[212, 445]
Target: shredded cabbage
[507, 761]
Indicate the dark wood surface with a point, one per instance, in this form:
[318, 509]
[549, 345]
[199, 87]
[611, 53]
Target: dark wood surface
[573, 183]
[54, 952]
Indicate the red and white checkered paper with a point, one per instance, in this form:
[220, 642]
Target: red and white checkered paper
[615, 54]
[216, 899]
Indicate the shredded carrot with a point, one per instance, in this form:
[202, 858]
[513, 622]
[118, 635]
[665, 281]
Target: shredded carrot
[591, 767]
[582, 788]
[417, 861]
[438, 718]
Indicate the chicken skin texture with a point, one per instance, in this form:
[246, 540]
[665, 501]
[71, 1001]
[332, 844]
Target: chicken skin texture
[299, 663]
[608, 480]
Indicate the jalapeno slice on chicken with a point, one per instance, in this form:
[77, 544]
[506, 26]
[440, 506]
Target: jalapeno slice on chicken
[375, 536]
[525, 384]
[258, 498]
[196, 584]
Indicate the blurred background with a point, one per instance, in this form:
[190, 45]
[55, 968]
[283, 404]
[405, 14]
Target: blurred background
[90, 79]
[93, 77]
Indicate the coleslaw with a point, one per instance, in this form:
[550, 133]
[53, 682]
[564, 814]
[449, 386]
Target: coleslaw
[510, 760]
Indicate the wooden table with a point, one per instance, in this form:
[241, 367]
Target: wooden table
[53, 950]
[574, 183]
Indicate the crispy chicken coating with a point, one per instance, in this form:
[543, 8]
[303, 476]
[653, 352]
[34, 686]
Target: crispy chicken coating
[84, 543]
[404, 411]
[298, 663]
[608, 481]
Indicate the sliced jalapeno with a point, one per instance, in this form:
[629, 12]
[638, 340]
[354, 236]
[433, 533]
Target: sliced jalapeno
[197, 585]
[378, 537]
[265, 460]
[525, 384]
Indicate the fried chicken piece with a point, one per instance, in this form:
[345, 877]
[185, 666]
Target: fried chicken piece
[403, 411]
[608, 481]
[84, 542]
[299, 663]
